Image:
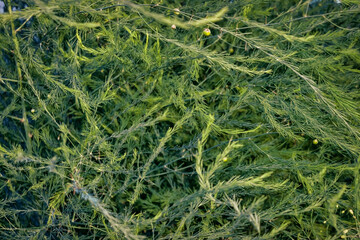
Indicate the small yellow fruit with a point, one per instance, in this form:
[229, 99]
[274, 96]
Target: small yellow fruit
[225, 159]
[32, 110]
[207, 32]
[176, 11]
[315, 141]
[231, 50]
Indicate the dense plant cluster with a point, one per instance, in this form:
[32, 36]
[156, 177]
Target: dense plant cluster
[169, 119]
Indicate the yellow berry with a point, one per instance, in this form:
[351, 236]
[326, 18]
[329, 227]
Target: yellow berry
[207, 32]
[231, 50]
[225, 159]
[176, 11]
[315, 141]
[32, 110]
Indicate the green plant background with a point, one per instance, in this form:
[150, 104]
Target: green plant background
[114, 125]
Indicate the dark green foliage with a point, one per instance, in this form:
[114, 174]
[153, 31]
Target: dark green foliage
[114, 125]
